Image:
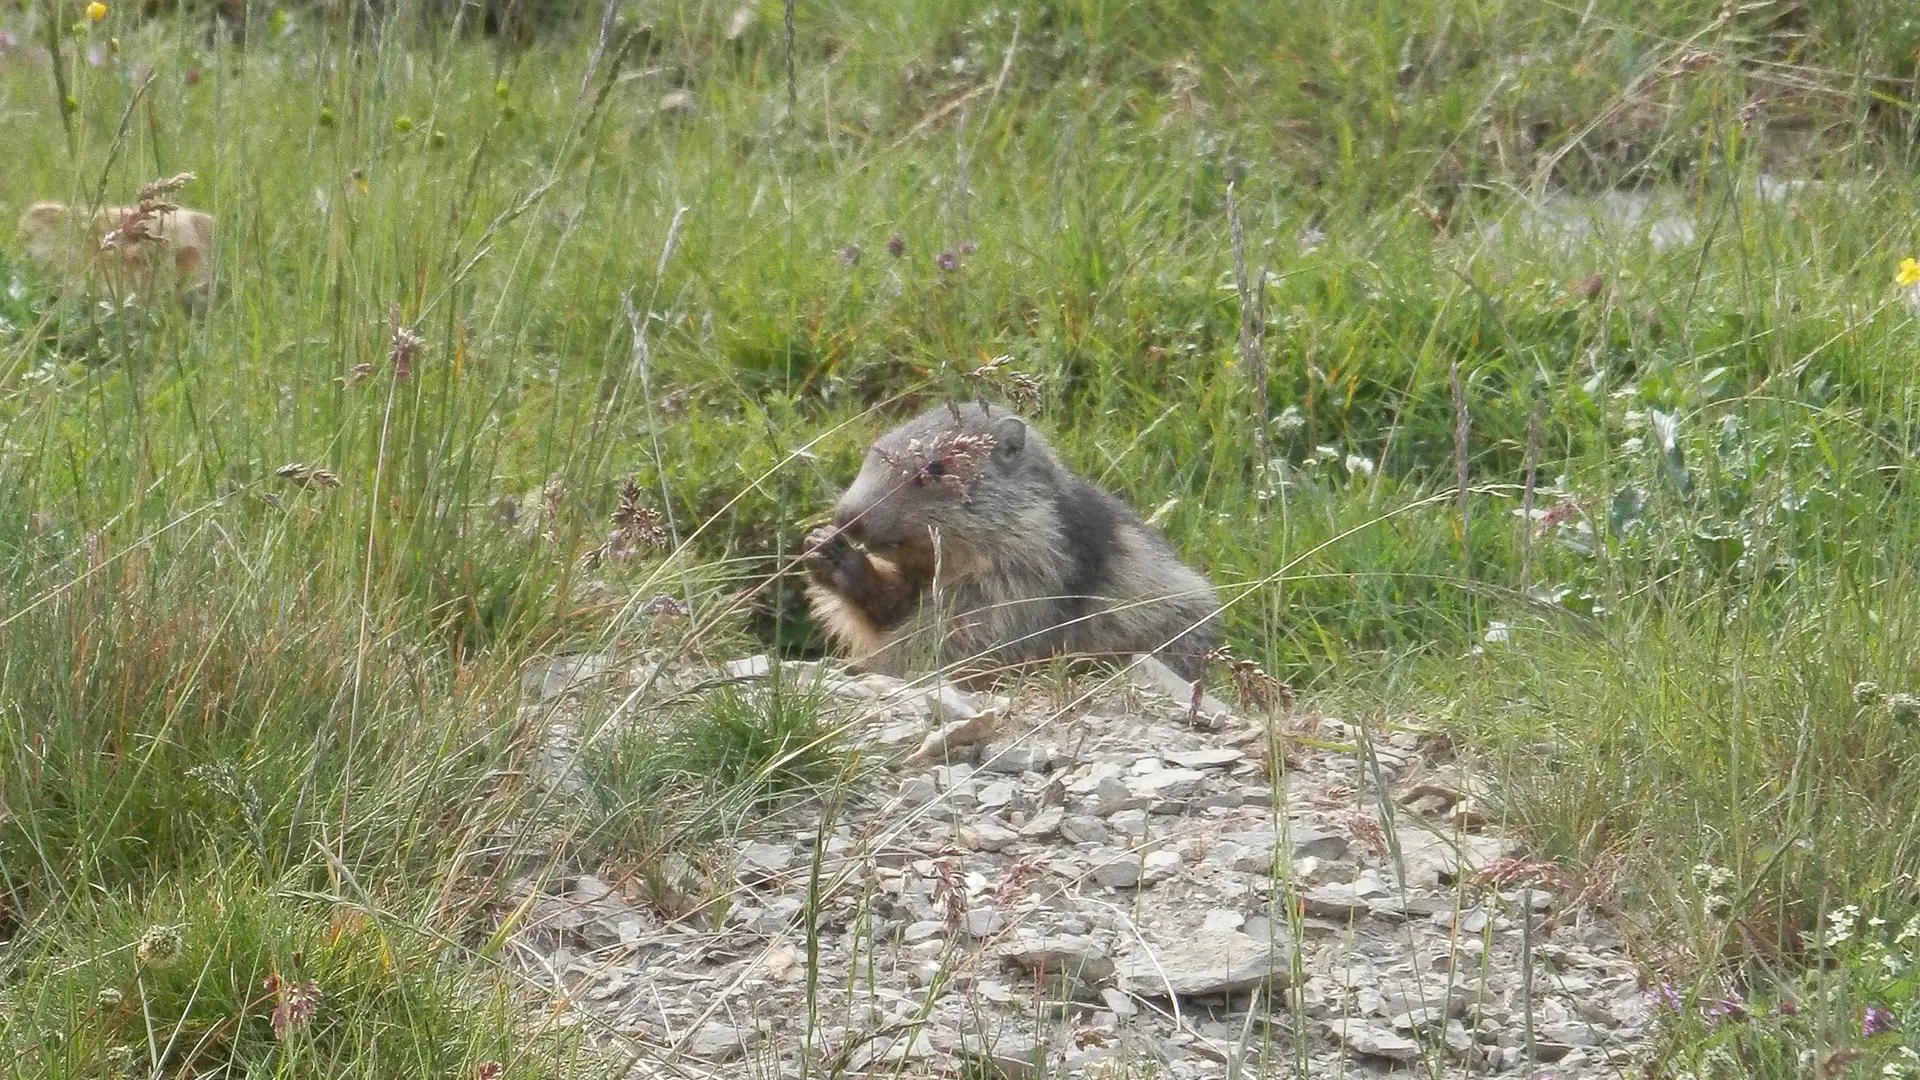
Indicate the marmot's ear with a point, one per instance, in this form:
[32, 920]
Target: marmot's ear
[1009, 436]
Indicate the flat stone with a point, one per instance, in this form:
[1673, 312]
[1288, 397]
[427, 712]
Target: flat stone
[995, 795]
[1015, 760]
[918, 790]
[948, 704]
[1433, 860]
[1211, 758]
[1119, 871]
[1374, 1040]
[762, 862]
[984, 922]
[1167, 784]
[1069, 956]
[1082, 829]
[716, 1041]
[1223, 919]
[987, 834]
[1044, 824]
[1159, 866]
[1336, 900]
[1151, 674]
[1205, 962]
[1009, 1055]
[1129, 823]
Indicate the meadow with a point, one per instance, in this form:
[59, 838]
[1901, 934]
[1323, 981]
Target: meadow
[1590, 393]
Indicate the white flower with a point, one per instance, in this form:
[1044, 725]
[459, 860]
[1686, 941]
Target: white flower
[1840, 925]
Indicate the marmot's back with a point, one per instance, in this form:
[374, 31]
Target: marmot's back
[966, 540]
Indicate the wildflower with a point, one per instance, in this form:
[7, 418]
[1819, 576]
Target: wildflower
[1866, 693]
[1669, 995]
[1906, 277]
[896, 245]
[1311, 238]
[949, 460]
[1789, 1007]
[850, 255]
[665, 605]
[1904, 708]
[97, 11]
[406, 344]
[1908, 930]
[158, 947]
[947, 261]
[968, 247]
[108, 998]
[1840, 925]
[1730, 1006]
[296, 1002]
[302, 475]
[1874, 1021]
[633, 525]
[403, 124]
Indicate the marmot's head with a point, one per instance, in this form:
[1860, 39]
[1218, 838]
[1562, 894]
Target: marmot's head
[956, 469]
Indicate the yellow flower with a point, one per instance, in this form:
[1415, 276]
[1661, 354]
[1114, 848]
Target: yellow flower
[1909, 274]
[96, 11]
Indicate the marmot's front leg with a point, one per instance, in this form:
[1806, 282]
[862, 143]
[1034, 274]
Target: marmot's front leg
[875, 587]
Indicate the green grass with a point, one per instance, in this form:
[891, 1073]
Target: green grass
[262, 713]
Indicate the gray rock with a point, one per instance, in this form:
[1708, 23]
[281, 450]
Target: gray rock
[716, 1041]
[1015, 760]
[1373, 1040]
[984, 922]
[1068, 956]
[918, 790]
[1117, 871]
[987, 834]
[1009, 1055]
[1044, 825]
[1159, 866]
[762, 862]
[752, 667]
[1205, 962]
[1166, 784]
[995, 795]
[1129, 823]
[1211, 758]
[1081, 829]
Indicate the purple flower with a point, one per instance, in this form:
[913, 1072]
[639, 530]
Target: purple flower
[8, 39]
[1730, 1006]
[1670, 996]
[896, 245]
[1875, 1020]
[96, 56]
[947, 261]
[849, 254]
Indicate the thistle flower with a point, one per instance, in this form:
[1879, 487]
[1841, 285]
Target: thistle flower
[406, 344]
[896, 245]
[1874, 1021]
[1254, 685]
[158, 947]
[634, 525]
[302, 475]
[1904, 708]
[950, 460]
[849, 255]
[295, 1004]
[1866, 693]
[947, 261]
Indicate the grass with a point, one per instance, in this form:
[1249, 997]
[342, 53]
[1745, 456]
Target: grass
[285, 720]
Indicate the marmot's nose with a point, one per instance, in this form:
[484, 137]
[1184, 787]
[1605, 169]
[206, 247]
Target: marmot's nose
[847, 520]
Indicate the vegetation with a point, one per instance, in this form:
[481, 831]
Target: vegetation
[275, 716]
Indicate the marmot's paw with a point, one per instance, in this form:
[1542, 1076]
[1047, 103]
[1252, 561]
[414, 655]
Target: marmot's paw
[830, 557]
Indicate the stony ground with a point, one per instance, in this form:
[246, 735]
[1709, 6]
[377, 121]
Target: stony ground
[1097, 879]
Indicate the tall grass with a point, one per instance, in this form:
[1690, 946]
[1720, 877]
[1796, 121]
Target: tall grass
[263, 712]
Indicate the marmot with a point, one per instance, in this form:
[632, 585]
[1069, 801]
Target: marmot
[966, 541]
[72, 245]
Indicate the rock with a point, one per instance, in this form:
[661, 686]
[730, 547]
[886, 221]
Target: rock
[1118, 871]
[987, 834]
[995, 795]
[1009, 1056]
[716, 1041]
[752, 667]
[762, 862]
[1167, 784]
[1114, 795]
[1044, 825]
[1374, 1040]
[1159, 866]
[1118, 1003]
[924, 930]
[1213, 758]
[1150, 674]
[1338, 900]
[543, 682]
[918, 790]
[1069, 956]
[954, 739]
[1433, 860]
[1129, 823]
[1081, 829]
[1205, 962]
[984, 922]
[1308, 842]
[1223, 919]
[949, 704]
[1015, 760]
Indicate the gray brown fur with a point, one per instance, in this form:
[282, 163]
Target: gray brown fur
[944, 556]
